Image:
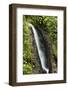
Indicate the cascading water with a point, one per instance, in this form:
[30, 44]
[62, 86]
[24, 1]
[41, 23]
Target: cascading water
[41, 52]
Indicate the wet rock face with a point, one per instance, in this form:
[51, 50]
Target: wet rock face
[51, 60]
[47, 44]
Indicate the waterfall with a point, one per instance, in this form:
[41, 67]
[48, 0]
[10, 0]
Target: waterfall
[40, 49]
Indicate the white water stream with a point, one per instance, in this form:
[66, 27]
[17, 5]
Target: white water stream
[40, 50]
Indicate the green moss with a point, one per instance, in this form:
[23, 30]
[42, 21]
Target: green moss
[27, 68]
[27, 49]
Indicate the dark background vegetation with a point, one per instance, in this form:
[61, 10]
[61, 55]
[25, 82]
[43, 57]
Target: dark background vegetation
[48, 26]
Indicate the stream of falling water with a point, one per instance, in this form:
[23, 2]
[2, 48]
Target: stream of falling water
[41, 52]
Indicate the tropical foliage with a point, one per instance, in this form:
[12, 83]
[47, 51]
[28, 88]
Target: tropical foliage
[46, 23]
